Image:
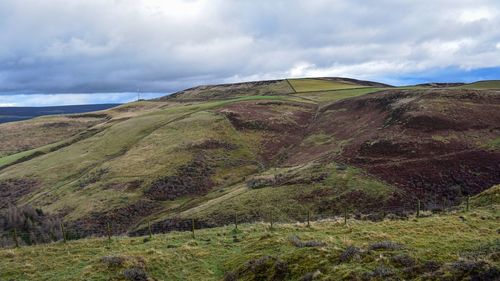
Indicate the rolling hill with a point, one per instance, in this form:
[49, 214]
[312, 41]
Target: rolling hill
[250, 150]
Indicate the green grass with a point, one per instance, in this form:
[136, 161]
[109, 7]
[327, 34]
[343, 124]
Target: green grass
[494, 143]
[488, 197]
[13, 158]
[336, 95]
[483, 85]
[310, 85]
[214, 252]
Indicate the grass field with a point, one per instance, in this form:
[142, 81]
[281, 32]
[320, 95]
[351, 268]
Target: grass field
[335, 95]
[483, 85]
[439, 246]
[311, 85]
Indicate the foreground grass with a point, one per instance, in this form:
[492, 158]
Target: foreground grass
[255, 250]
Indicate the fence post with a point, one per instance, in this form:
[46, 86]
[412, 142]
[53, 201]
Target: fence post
[444, 205]
[345, 216]
[467, 204]
[235, 221]
[308, 218]
[14, 234]
[418, 208]
[108, 230]
[63, 231]
[272, 219]
[192, 228]
[149, 230]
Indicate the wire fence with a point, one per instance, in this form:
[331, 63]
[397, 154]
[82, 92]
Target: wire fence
[18, 236]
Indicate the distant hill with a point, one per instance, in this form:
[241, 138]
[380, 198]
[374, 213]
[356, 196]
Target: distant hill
[271, 87]
[10, 114]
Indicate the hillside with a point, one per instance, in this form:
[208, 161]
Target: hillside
[455, 246]
[249, 150]
[11, 114]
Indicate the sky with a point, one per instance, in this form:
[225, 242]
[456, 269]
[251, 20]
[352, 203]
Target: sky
[55, 52]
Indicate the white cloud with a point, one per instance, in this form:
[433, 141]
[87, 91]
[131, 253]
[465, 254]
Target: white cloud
[72, 99]
[7, 104]
[475, 14]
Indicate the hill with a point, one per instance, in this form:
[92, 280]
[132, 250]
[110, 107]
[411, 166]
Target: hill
[11, 114]
[455, 246]
[249, 150]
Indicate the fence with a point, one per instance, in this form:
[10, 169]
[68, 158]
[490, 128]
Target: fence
[16, 237]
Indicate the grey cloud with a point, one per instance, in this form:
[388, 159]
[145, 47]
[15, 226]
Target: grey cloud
[57, 46]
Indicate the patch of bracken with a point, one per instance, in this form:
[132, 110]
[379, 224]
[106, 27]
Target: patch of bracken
[15, 188]
[190, 179]
[119, 219]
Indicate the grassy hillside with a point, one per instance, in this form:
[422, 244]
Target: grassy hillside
[25, 135]
[455, 246]
[484, 85]
[324, 97]
[254, 150]
[312, 85]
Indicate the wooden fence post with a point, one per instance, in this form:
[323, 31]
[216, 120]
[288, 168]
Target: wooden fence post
[14, 234]
[192, 228]
[345, 216]
[418, 208]
[149, 230]
[308, 218]
[272, 219]
[108, 230]
[467, 204]
[63, 231]
[236, 221]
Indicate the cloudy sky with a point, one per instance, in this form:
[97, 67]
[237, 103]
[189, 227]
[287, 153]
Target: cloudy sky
[95, 51]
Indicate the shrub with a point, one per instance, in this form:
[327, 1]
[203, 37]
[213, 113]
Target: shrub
[349, 253]
[382, 271]
[135, 274]
[263, 268]
[304, 244]
[113, 261]
[420, 269]
[468, 270]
